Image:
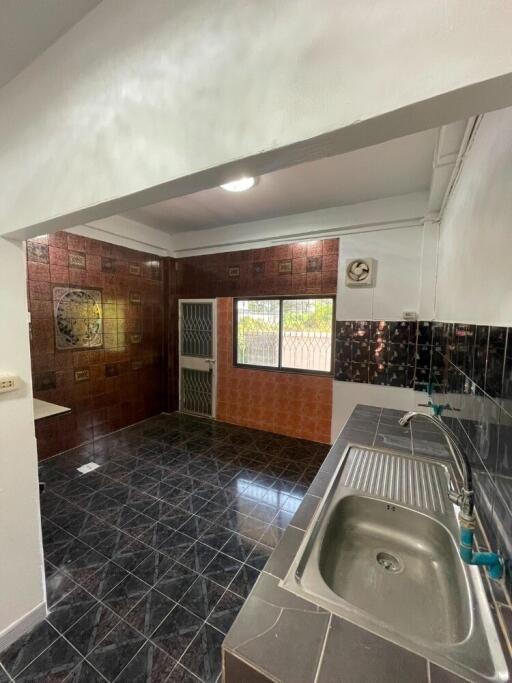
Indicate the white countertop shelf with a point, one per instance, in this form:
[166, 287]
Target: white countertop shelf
[44, 409]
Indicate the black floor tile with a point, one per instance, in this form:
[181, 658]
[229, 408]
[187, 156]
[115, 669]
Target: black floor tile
[70, 609]
[150, 665]
[202, 596]
[198, 556]
[259, 556]
[222, 569]
[90, 630]
[147, 614]
[181, 675]
[225, 611]
[54, 664]
[84, 673]
[123, 597]
[18, 655]
[98, 581]
[131, 556]
[176, 581]
[116, 650]
[203, 656]
[144, 532]
[176, 631]
[239, 547]
[171, 542]
[58, 584]
[244, 581]
[216, 536]
[153, 568]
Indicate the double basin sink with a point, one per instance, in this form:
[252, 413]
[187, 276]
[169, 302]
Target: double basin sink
[382, 552]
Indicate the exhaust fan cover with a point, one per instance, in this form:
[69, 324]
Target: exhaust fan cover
[360, 272]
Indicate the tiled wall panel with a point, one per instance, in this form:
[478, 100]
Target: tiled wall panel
[472, 373]
[109, 387]
[284, 403]
[466, 367]
[302, 268]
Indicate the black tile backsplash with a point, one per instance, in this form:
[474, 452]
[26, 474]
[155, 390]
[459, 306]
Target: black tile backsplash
[376, 352]
[465, 366]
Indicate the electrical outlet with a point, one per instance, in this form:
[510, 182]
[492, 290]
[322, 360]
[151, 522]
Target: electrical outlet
[8, 383]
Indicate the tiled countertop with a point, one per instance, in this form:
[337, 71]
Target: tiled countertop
[277, 636]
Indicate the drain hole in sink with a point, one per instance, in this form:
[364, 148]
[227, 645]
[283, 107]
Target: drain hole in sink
[389, 562]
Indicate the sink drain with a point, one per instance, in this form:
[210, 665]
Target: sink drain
[389, 562]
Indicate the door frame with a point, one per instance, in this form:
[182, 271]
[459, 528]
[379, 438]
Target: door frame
[198, 362]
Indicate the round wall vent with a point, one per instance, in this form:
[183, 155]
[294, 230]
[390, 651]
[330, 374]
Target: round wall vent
[359, 272]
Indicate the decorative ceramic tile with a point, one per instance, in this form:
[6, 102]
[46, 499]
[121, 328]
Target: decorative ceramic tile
[285, 266]
[135, 338]
[37, 252]
[135, 298]
[78, 318]
[314, 264]
[234, 271]
[112, 370]
[107, 264]
[82, 375]
[258, 268]
[77, 260]
[134, 269]
[44, 381]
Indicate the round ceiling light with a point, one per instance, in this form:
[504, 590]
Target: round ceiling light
[240, 185]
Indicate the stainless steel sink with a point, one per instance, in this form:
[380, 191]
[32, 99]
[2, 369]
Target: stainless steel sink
[382, 552]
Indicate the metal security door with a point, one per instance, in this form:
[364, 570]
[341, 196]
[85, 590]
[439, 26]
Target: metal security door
[198, 355]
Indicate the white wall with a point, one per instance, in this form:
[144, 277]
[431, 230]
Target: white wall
[22, 596]
[346, 395]
[138, 95]
[406, 261]
[475, 274]
[398, 277]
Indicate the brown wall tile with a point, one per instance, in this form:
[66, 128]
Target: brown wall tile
[99, 403]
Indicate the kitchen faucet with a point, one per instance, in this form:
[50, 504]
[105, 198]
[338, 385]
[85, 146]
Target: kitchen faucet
[464, 499]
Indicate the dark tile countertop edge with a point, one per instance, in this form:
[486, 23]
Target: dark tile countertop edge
[280, 637]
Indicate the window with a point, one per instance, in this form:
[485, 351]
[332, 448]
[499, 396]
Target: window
[285, 334]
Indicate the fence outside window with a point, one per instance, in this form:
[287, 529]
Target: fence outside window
[285, 333]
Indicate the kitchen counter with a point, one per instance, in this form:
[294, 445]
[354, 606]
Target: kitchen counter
[278, 636]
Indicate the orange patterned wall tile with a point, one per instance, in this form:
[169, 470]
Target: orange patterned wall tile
[285, 403]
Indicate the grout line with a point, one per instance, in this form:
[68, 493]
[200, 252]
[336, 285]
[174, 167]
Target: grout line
[4, 670]
[322, 652]
[377, 427]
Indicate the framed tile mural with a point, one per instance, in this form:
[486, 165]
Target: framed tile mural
[78, 318]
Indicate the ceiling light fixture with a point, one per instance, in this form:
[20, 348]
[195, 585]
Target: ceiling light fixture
[240, 185]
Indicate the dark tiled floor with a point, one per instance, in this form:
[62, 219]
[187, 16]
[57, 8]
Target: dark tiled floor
[150, 557]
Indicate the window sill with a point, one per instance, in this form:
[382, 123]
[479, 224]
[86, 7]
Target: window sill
[285, 371]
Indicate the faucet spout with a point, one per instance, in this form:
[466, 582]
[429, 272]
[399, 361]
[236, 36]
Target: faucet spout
[466, 497]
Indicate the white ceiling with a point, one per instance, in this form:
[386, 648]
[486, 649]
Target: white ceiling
[28, 27]
[392, 168]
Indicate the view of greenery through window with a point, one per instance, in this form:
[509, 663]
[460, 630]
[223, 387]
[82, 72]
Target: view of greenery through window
[298, 330]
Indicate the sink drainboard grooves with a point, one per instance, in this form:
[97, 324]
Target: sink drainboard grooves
[403, 480]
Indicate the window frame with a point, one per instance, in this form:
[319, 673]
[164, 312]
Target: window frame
[280, 368]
